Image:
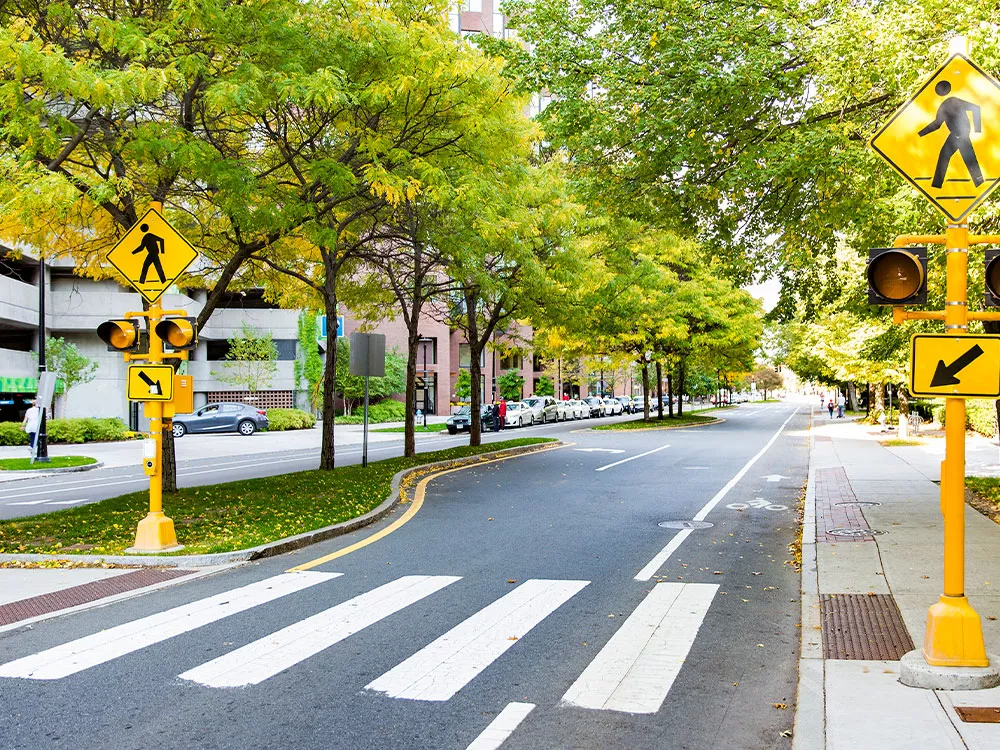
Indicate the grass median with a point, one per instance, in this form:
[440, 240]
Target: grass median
[54, 462]
[230, 516]
[687, 420]
[435, 428]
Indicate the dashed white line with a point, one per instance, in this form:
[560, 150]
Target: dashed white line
[502, 726]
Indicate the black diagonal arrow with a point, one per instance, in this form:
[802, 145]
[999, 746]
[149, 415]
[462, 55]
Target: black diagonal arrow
[154, 385]
[945, 374]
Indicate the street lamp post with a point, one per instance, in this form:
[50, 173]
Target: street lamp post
[41, 439]
[425, 342]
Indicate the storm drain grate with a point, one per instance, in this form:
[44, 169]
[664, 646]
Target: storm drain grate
[84, 593]
[979, 714]
[854, 533]
[863, 626]
[685, 525]
[861, 503]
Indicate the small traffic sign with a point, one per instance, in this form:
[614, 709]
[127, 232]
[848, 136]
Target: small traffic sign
[152, 255]
[150, 383]
[944, 139]
[955, 366]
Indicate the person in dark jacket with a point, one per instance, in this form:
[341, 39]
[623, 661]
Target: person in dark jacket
[496, 417]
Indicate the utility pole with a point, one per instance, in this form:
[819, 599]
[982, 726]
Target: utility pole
[42, 438]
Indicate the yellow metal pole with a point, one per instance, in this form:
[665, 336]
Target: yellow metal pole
[155, 532]
[954, 635]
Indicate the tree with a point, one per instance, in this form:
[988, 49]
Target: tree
[511, 385]
[767, 379]
[251, 362]
[463, 385]
[308, 363]
[64, 359]
[545, 387]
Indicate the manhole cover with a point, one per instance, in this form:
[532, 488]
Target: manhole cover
[854, 532]
[685, 524]
[866, 503]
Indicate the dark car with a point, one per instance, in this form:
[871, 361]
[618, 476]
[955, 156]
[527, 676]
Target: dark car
[222, 417]
[461, 421]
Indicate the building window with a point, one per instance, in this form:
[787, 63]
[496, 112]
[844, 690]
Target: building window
[471, 6]
[510, 362]
[499, 28]
[536, 363]
[427, 350]
[465, 356]
[286, 349]
[426, 393]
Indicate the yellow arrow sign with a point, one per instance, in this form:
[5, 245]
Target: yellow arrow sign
[150, 383]
[946, 139]
[955, 366]
[152, 255]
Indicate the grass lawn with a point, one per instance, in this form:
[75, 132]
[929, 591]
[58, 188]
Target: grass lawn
[900, 442]
[418, 428]
[55, 462]
[231, 516]
[657, 424]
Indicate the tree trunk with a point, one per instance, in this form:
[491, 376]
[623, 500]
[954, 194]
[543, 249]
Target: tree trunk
[475, 368]
[659, 392]
[878, 405]
[327, 451]
[904, 400]
[993, 326]
[410, 423]
[670, 394]
[645, 392]
[168, 457]
[852, 397]
[681, 373]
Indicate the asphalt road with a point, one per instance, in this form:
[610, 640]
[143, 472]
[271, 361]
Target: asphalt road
[529, 590]
[28, 497]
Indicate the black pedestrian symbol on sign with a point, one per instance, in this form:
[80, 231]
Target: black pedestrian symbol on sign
[153, 245]
[954, 113]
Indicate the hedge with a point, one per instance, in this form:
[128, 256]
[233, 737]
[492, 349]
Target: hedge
[85, 430]
[289, 419]
[980, 416]
[386, 410]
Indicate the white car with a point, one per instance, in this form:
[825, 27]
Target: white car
[580, 409]
[519, 414]
[543, 408]
[564, 410]
[613, 407]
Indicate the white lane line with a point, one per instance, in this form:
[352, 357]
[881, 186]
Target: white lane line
[663, 555]
[112, 643]
[70, 502]
[632, 458]
[33, 502]
[636, 669]
[266, 657]
[502, 726]
[442, 668]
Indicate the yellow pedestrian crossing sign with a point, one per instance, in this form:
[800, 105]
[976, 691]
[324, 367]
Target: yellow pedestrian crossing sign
[150, 383]
[152, 255]
[955, 366]
[946, 139]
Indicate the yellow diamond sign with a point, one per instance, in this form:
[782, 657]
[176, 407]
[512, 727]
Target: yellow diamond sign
[946, 139]
[152, 255]
[955, 366]
[150, 383]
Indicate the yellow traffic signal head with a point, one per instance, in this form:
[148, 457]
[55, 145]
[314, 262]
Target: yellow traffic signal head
[179, 334]
[992, 278]
[120, 335]
[897, 276]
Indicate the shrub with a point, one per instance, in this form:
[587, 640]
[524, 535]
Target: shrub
[66, 430]
[980, 416]
[386, 410]
[289, 419]
[12, 434]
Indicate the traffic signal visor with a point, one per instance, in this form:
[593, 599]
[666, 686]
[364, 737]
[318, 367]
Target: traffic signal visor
[180, 334]
[992, 276]
[119, 335]
[897, 276]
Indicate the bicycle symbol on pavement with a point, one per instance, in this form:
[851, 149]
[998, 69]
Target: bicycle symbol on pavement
[758, 503]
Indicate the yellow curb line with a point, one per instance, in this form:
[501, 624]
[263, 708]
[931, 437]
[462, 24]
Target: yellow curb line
[716, 420]
[416, 504]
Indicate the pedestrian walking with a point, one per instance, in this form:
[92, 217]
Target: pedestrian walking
[495, 413]
[841, 402]
[31, 423]
[503, 413]
[829, 406]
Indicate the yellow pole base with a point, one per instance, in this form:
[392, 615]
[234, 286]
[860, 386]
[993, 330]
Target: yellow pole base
[954, 636]
[155, 534]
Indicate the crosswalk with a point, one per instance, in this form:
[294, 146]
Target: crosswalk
[632, 673]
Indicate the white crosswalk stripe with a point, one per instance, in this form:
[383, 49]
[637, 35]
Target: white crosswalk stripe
[441, 669]
[636, 669]
[112, 643]
[266, 657]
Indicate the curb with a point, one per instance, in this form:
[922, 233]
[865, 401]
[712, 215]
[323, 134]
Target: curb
[715, 420]
[279, 546]
[32, 473]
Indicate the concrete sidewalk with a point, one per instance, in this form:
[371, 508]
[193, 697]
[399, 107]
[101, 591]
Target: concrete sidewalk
[872, 565]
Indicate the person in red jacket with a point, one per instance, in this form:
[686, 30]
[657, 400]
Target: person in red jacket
[503, 413]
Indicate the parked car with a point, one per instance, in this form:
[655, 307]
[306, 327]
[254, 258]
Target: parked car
[461, 421]
[519, 414]
[612, 407]
[543, 408]
[564, 410]
[627, 404]
[224, 416]
[580, 410]
[596, 406]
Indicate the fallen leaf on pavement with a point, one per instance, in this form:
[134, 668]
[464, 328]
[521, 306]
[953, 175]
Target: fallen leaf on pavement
[511, 580]
[781, 706]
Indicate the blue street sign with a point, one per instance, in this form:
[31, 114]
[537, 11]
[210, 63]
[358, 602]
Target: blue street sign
[322, 326]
